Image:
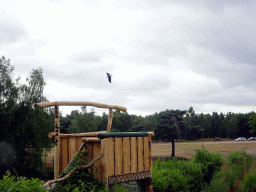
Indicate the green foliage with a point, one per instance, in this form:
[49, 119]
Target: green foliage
[81, 180]
[210, 163]
[170, 122]
[24, 129]
[20, 184]
[84, 122]
[176, 175]
[249, 182]
[236, 174]
[239, 158]
[252, 124]
[206, 172]
[119, 188]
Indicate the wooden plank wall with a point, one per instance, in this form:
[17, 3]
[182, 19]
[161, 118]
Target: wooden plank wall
[124, 154]
[130, 155]
[69, 147]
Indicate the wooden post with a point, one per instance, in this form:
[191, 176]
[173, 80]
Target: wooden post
[56, 142]
[173, 148]
[104, 146]
[110, 117]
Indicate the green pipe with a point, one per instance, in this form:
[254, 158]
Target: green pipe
[122, 134]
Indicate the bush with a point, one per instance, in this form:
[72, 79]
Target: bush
[249, 182]
[210, 162]
[176, 175]
[80, 180]
[20, 184]
[236, 174]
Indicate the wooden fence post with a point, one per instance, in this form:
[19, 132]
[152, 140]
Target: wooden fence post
[110, 117]
[56, 142]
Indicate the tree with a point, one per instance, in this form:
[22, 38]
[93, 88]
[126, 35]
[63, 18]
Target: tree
[121, 122]
[23, 128]
[84, 121]
[232, 125]
[103, 122]
[168, 129]
[31, 125]
[252, 124]
[8, 98]
[215, 124]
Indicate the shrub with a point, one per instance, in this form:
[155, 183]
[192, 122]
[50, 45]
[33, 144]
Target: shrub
[240, 161]
[80, 180]
[236, 174]
[176, 175]
[210, 162]
[249, 182]
[217, 185]
[20, 184]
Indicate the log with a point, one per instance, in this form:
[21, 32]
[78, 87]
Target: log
[50, 183]
[79, 103]
[90, 134]
[110, 118]
[57, 143]
[91, 140]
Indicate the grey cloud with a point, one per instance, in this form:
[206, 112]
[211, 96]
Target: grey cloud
[240, 96]
[149, 85]
[89, 56]
[10, 33]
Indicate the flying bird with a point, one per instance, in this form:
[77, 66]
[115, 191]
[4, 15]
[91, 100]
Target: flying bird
[109, 77]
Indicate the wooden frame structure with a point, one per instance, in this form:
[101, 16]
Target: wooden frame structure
[125, 156]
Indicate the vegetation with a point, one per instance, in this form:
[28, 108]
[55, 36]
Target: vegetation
[81, 179]
[20, 184]
[24, 129]
[206, 172]
[191, 126]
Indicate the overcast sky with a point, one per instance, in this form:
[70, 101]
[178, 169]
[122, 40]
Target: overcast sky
[162, 54]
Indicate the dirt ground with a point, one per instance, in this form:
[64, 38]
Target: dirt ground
[185, 150]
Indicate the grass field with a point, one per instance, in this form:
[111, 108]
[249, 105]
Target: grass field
[187, 149]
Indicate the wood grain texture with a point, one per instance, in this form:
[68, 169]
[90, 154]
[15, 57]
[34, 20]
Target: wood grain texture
[140, 154]
[126, 155]
[64, 154]
[110, 118]
[97, 166]
[111, 160]
[57, 143]
[90, 134]
[104, 162]
[118, 156]
[134, 155]
[90, 153]
[71, 147]
[79, 143]
[146, 153]
[79, 103]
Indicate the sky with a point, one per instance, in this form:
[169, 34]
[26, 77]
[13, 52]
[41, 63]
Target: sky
[162, 54]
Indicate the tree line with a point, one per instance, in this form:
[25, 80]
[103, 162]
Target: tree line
[168, 124]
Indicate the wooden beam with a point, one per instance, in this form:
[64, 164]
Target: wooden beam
[90, 134]
[56, 143]
[110, 118]
[79, 103]
[91, 140]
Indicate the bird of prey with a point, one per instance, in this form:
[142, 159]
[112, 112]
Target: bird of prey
[109, 77]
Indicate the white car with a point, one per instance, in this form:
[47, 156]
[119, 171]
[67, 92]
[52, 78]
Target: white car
[251, 139]
[240, 139]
